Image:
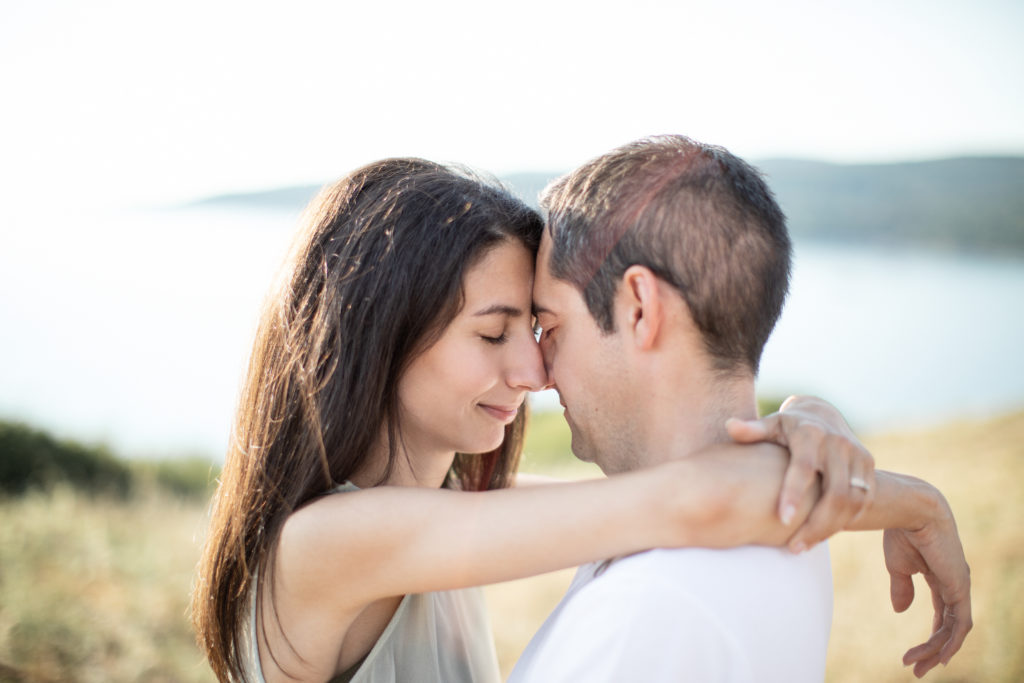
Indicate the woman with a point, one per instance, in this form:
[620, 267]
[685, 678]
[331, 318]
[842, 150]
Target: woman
[396, 357]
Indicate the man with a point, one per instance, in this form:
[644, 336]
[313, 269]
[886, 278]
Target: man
[660, 276]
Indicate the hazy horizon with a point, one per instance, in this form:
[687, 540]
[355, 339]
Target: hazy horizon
[114, 106]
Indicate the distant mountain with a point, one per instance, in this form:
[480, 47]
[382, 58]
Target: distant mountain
[283, 198]
[971, 203]
[527, 186]
[957, 204]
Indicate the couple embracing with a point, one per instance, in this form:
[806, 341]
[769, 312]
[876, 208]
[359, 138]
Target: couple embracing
[370, 487]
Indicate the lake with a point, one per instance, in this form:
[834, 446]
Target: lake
[133, 328]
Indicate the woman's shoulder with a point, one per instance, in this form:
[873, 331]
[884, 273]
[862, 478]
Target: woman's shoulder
[319, 519]
[352, 525]
[327, 544]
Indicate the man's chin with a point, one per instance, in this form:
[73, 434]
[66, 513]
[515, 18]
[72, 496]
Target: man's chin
[580, 449]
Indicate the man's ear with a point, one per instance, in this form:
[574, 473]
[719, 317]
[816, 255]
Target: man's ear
[642, 312]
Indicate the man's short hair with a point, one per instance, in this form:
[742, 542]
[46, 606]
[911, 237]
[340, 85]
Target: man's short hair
[697, 216]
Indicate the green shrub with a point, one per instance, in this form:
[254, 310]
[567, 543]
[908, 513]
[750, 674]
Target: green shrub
[766, 405]
[191, 477]
[33, 459]
[548, 442]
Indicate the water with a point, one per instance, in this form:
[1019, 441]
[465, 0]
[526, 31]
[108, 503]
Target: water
[133, 328]
[901, 337]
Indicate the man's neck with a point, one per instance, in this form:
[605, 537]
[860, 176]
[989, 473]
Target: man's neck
[685, 419]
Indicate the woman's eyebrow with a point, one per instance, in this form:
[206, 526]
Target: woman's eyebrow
[500, 309]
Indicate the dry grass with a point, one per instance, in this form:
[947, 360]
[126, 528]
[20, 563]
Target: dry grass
[980, 469]
[97, 590]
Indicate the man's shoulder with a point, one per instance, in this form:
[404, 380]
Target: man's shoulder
[684, 562]
[693, 614]
[612, 627]
[720, 581]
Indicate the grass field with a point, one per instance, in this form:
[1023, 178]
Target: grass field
[93, 589]
[96, 589]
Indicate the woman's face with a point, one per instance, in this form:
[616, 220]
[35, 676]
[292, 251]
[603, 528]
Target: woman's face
[459, 394]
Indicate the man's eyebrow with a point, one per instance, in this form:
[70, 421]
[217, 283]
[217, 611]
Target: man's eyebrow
[500, 309]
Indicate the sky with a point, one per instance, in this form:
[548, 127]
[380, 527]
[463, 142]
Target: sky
[124, 102]
[131, 326]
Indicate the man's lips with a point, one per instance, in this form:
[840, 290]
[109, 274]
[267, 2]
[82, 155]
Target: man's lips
[502, 413]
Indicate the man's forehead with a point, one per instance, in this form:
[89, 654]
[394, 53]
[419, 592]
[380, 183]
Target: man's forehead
[551, 296]
[543, 304]
[542, 276]
[544, 251]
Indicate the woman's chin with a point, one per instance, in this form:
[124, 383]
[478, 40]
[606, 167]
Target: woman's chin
[485, 445]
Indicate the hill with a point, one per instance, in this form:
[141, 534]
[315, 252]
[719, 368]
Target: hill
[963, 204]
[968, 203]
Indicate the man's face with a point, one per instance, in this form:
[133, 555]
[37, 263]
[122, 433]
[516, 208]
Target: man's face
[586, 367]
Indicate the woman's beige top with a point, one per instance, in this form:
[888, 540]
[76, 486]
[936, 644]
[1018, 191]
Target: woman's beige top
[444, 636]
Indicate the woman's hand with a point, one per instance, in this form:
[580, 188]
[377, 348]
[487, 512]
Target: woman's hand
[934, 551]
[820, 443]
[921, 534]
[728, 496]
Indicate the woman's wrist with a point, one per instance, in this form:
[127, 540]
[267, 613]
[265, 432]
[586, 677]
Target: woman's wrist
[724, 497]
[901, 502]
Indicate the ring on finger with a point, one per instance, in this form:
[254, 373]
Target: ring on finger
[859, 483]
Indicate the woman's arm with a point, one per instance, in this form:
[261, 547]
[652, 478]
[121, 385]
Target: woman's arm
[922, 538]
[826, 453]
[921, 535]
[356, 547]
[521, 479]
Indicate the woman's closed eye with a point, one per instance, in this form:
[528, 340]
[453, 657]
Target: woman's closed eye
[500, 339]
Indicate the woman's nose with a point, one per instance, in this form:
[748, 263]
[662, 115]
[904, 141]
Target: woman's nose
[528, 370]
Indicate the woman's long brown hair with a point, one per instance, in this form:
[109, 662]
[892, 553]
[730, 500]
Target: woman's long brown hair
[372, 280]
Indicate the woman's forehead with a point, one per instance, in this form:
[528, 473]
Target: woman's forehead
[502, 278]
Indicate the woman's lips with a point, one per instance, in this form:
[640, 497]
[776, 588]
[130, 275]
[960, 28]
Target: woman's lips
[502, 413]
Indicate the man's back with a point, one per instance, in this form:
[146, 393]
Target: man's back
[747, 614]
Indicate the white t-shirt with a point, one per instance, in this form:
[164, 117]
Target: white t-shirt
[745, 614]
